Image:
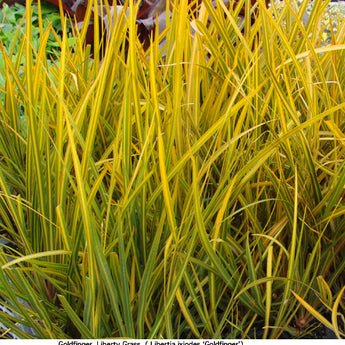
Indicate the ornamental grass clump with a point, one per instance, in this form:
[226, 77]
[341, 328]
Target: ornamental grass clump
[191, 190]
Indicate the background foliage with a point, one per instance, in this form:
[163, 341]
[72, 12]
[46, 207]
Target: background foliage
[12, 23]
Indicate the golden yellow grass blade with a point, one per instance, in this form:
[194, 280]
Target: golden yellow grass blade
[313, 312]
[27, 258]
[268, 290]
[335, 314]
[161, 150]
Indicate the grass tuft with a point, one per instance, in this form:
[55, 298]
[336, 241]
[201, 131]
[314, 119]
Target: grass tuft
[191, 190]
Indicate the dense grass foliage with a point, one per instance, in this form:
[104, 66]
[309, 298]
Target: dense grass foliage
[192, 190]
